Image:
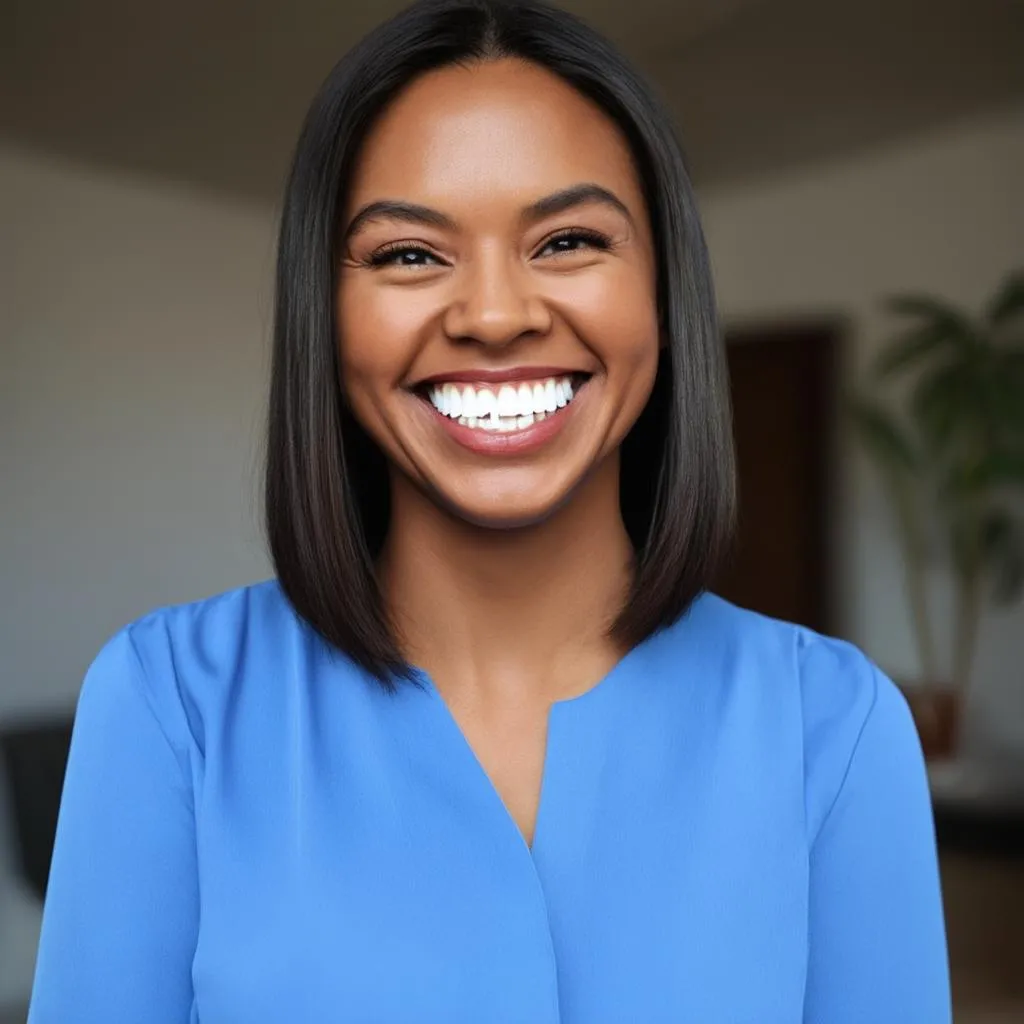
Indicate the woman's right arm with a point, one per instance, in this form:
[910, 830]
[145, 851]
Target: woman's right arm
[122, 903]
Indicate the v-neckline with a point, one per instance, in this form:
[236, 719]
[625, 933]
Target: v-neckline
[603, 689]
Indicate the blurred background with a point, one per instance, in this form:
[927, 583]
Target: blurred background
[844, 152]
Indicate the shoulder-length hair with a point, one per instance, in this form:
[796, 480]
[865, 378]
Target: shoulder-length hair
[326, 484]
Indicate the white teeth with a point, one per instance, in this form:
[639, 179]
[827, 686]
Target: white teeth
[454, 401]
[486, 404]
[508, 401]
[513, 407]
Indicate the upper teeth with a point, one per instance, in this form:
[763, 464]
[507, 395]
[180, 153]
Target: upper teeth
[505, 402]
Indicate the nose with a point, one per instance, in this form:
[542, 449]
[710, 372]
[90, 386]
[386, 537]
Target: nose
[496, 303]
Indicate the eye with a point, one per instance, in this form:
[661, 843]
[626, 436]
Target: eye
[574, 240]
[403, 255]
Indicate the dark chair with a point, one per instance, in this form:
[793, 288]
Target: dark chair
[34, 758]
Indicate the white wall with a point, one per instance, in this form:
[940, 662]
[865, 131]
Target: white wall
[945, 214]
[133, 348]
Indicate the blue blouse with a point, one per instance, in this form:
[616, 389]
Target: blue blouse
[734, 828]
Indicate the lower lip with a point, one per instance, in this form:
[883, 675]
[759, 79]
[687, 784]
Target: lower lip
[521, 441]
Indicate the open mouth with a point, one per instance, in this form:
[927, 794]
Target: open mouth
[504, 408]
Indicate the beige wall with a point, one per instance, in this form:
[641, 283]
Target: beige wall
[134, 331]
[133, 326]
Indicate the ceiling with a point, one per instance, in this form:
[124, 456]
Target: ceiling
[212, 91]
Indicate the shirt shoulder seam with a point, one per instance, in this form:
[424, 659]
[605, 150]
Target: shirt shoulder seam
[143, 691]
[853, 753]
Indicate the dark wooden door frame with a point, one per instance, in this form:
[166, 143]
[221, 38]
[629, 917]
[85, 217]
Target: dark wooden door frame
[824, 338]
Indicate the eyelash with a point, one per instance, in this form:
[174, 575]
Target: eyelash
[595, 239]
[387, 255]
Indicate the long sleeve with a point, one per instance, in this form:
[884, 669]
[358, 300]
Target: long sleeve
[121, 913]
[877, 940]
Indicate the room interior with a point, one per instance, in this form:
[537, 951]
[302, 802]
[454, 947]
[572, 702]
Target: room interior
[841, 152]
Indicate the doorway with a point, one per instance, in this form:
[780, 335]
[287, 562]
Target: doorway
[784, 394]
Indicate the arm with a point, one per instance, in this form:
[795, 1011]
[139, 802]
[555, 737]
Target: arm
[121, 914]
[877, 940]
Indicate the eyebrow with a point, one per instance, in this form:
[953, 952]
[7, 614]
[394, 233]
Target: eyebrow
[394, 209]
[557, 202]
[574, 195]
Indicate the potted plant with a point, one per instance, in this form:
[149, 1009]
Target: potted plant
[942, 419]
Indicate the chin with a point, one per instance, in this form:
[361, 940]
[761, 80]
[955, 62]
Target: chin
[507, 504]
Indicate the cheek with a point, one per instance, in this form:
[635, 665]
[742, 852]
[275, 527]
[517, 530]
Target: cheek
[623, 326]
[618, 318]
[377, 335]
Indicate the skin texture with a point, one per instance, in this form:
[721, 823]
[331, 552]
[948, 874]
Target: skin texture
[502, 573]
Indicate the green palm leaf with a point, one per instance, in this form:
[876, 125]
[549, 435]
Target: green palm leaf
[882, 436]
[940, 328]
[1008, 302]
[1001, 469]
[931, 310]
[1002, 548]
[913, 347]
[971, 479]
[1007, 392]
[944, 402]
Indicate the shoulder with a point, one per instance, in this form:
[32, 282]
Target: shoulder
[214, 636]
[822, 669]
[214, 620]
[832, 687]
[189, 662]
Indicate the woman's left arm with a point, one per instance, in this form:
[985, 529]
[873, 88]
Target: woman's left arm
[877, 939]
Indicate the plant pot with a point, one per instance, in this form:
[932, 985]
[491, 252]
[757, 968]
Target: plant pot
[937, 712]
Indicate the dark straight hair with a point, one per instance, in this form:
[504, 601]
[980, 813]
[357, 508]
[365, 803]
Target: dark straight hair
[326, 483]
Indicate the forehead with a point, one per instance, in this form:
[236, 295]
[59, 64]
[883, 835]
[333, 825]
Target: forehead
[500, 131]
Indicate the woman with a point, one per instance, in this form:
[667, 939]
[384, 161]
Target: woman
[486, 751]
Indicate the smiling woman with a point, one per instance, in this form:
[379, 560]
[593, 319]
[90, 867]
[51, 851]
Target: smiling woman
[506, 205]
[486, 750]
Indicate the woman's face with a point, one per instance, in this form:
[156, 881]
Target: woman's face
[496, 301]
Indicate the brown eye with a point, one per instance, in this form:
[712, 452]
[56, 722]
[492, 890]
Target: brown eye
[403, 256]
[574, 241]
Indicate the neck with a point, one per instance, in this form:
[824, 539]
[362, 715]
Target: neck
[518, 615]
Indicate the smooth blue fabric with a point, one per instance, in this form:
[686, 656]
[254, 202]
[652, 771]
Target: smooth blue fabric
[734, 828]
